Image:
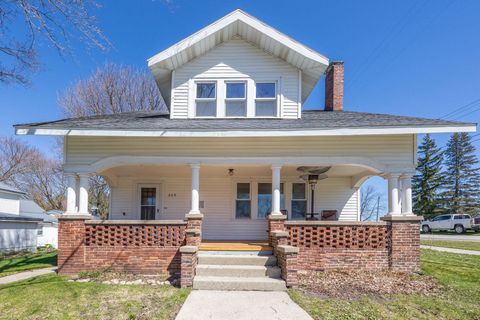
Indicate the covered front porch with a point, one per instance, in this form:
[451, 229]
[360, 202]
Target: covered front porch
[236, 198]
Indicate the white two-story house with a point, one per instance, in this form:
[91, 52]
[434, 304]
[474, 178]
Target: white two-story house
[236, 144]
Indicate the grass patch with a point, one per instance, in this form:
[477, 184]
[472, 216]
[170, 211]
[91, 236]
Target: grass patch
[452, 244]
[459, 296]
[53, 297]
[27, 261]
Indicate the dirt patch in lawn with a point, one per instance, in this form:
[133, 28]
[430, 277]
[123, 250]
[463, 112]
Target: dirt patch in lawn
[355, 284]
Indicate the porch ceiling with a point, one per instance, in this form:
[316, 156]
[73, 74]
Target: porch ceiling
[219, 171]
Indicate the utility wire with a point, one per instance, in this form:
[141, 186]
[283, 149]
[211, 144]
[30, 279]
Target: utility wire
[460, 109]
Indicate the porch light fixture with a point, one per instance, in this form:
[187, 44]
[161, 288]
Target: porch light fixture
[231, 172]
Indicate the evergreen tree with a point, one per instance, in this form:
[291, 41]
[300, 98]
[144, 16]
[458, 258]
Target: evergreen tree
[462, 176]
[428, 180]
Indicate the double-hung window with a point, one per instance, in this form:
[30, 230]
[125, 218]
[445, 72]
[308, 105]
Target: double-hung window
[265, 99]
[235, 99]
[243, 202]
[299, 201]
[264, 200]
[206, 99]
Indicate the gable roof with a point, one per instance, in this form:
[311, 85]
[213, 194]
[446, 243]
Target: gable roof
[312, 123]
[249, 28]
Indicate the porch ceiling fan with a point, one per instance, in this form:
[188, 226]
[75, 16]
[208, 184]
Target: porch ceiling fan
[312, 175]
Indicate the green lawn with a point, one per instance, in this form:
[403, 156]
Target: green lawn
[452, 244]
[53, 297]
[458, 276]
[27, 261]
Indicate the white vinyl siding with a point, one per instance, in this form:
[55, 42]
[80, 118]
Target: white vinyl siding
[394, 150]
[236, 60]
[218, 197]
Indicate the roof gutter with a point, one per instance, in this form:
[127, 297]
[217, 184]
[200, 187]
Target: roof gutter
[20, 130]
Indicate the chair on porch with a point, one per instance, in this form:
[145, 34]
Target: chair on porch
[329, 215]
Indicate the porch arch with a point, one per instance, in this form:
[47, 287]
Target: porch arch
[370, 165]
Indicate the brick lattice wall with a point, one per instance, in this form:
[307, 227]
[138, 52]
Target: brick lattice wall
[328, 247]
[135, 235]
[123, 247]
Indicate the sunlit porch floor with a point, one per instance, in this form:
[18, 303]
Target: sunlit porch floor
[234, 245]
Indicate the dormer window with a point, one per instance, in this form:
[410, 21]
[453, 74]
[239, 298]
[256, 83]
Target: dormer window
[265, 99]
[206, 99]
[235, 99]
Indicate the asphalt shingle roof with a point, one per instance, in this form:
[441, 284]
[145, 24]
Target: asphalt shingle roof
[311, 119]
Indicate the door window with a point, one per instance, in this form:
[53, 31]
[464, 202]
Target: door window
[148, 203]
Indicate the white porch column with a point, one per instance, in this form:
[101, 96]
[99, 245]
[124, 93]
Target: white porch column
[407, 194]
[195, 208]
[71, 193]
[83, 194]
[393, 194]
[276, 189]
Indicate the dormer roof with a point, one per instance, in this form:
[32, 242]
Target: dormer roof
[234, 25]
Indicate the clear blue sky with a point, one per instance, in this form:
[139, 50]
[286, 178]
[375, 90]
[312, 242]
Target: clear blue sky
[417, 58]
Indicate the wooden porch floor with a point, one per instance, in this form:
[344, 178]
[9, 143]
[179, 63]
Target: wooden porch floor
[234, 245]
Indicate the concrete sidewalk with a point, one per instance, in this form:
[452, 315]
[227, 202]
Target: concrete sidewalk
[446, 237]
[27, 275]
[452, 250]
[240, 305]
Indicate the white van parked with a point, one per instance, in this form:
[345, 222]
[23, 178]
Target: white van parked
[457, 222]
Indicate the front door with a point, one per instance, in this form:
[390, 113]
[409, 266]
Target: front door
[149, 202]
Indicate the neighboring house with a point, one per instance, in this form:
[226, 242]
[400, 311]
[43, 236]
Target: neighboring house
[236, 155]
[23, 224]
[16, 232]
[47, 229]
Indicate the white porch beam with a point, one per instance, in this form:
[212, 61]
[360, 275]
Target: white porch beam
[71, 193]
[393, 194]
[276, 169]
[407, 194]
[195, 207]
[83, 194]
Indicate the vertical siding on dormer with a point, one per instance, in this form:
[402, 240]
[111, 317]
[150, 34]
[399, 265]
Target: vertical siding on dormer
[236, 59]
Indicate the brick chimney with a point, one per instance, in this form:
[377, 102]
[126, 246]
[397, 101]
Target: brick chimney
[334, 86]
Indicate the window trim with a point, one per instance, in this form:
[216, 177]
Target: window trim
[298, 199]
[274, 98]
[215, 99]
[245, 97]
[235, 199]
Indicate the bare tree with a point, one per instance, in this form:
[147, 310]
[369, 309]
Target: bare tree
[370, 203]
[16, 158]
[26, 168]
[99, 193]
[55, 22]
[45, 183]
[112, 89]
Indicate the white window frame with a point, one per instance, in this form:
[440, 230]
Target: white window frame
[296, 199]
[196, 83]
[275, 98]
[235, 199]
[245, 84]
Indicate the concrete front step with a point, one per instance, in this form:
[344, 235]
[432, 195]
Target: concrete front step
[238, 271]
[243, 260]
[238, 283]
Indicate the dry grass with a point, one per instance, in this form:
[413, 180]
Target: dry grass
[52, 297]
[356, 284]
